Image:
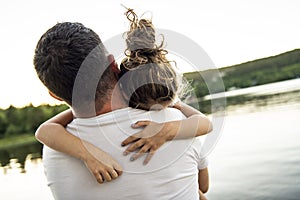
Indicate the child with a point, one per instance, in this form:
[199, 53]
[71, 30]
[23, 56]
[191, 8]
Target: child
[148, 82]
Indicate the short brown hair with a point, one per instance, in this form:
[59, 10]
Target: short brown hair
[59, 54]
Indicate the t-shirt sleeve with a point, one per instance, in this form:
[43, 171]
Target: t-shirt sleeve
[202, 159]
[203, 163]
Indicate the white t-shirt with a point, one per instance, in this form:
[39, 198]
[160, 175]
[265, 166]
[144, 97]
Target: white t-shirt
[171, 174]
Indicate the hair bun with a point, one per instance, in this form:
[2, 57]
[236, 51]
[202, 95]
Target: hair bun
[141, 43]
[141, 35]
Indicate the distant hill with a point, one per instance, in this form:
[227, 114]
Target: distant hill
[261, 71]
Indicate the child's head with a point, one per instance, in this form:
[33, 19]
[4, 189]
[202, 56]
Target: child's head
[147, 78]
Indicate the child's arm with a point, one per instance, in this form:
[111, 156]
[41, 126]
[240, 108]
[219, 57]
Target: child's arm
[196, 124]
[156, 134]
[53, 134]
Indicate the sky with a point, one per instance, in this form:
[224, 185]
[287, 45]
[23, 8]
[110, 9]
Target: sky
[230, 32]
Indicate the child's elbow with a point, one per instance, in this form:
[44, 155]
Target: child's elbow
[39, 133]
[210, 126]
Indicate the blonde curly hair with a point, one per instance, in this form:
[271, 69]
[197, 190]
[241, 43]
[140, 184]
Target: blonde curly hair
[147, 77]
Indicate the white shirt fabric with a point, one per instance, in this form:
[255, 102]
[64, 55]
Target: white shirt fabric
[171, 174]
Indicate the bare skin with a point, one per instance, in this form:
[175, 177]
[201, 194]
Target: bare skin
[154, 135]
[202, 196]
[203, 182]
[53, 134]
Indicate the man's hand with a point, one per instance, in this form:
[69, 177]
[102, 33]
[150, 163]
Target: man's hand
[153, 136]
[201, 195]
[101, 164]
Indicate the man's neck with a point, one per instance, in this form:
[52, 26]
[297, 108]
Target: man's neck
[115, 102]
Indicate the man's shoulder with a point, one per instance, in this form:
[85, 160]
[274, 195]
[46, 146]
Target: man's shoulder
[127, 115]
[167, 114]
[172, 111]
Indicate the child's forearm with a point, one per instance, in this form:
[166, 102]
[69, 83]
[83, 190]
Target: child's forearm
[186, 109]
[55, 136]
[196, 124]
[63, 118]
[156, 134]
[100, 164]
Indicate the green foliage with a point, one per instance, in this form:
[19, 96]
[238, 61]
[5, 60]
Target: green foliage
[17, 141]
[20, 121]
[267, 70]
[3, 125]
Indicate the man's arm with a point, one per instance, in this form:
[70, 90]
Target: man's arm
[154, 135]
[53, 134]
[201, 195]
[203, 180]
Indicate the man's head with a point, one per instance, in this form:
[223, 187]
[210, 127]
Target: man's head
[60, 55]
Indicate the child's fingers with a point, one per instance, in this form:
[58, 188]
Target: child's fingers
[113, 173]
[120, 172]
[139, 124]
[141, 152]
[137, 135]
[149, 156]
[130, 139]
[106, 175]
[133, 147]
[99, 178]
[118, 168]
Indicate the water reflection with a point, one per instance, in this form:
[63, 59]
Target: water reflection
[256, 98]
[15, 158]
[257, 156]
[29, 185]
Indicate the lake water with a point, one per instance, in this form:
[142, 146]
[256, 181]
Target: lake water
[257, 155]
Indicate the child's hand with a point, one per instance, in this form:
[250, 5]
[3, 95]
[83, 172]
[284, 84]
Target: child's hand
[101, 164]
[153, 136]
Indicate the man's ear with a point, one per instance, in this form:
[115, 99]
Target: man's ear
[113, 64]
[55, 97]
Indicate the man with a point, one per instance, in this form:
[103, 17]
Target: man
[72, 62]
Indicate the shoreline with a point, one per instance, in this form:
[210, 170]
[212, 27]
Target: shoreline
[17, 141]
